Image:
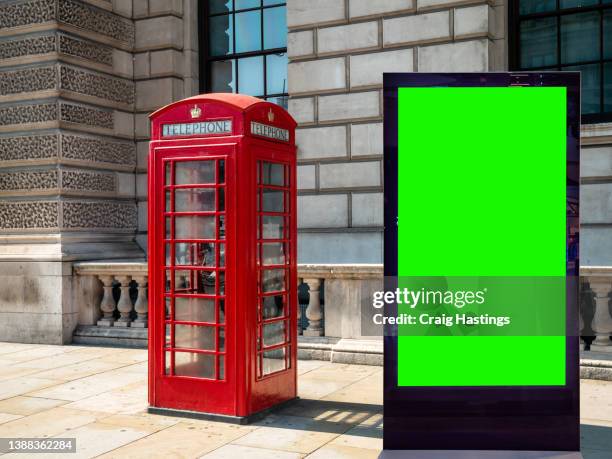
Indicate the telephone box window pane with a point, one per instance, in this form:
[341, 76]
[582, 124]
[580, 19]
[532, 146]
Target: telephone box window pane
[221, 311]
[184, 281]
[194, 337]
[194, 200]
[195, 254]
[222, 227]
[194, 282]
[580, 37]
[222, 255]
[195, 227]
[221, 367]
[223, 76]
[273, 174]
[168, 311]
[168, 201]
[194, 365]
[221, 339]
[221, 32]
[221, 282]
[273, 280]
[537, 6]
[538, 42]
[591, 84]
[276, 73]
[273, 201]
[248, 25]
[221, 178]
[250, 72]
[274, 333]
[167, 282]
[245, 4]
[168, 335]
[273, 307]
[168, 228]
[168, 254]
[275, 28]
[273, 227]
[167, 362]
[221, 200]
[194, 309]
[273, 253]
[194, 172]
[274, 361]
[168, 173]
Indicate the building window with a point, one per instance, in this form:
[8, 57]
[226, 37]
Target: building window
[244, 45]
[571, 35]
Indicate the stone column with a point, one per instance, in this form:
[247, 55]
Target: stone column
[314, 314]
[142, 303]
[67, 155]
[602, 321]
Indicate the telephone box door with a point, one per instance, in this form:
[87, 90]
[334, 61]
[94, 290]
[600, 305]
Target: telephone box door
[193, 341]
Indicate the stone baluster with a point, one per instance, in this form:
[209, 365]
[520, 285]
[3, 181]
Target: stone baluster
[107, 305]
[602, 321]
[125, 303]
[142, 303]
[314, 314]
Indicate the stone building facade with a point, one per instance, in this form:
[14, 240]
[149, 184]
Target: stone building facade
[78, 79]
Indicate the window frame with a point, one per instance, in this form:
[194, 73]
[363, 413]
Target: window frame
[205, 58]
[514, 47]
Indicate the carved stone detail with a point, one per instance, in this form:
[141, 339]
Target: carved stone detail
[28, 215]
[97, 150]
[85, 49]
[21, 14]
[79, 180]
[28, 80]
[112, 215]
[86, 115]
[115, 89]
[22, 114]
[29, 180]
[85, 17]
[28, 47]
[28, 147]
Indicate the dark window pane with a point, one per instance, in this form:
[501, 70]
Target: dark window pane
[591, 87]
[276, 68]
[223, 76]
[538, 43]
[244, 4]
[537, 6]
[579, 37]
[220, 6]
[608, 34]
[220, 30]
[273, 280]
[273, 306]
[248, 31]
[608, 87]
[250, 72]
[577, 3]
[275, 28]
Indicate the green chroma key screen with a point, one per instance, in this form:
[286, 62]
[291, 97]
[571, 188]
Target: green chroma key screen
[482, 192]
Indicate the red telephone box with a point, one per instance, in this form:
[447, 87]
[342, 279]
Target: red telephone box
[222, 257]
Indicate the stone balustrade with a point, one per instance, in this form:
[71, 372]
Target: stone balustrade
[114, 294]
[595, 314]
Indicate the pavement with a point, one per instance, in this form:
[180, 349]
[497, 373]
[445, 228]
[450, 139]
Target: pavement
[98, 395]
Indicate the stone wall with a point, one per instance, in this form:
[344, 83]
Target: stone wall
[338, 51]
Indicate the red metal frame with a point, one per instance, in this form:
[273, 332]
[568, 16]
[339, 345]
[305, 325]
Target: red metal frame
[233, 380]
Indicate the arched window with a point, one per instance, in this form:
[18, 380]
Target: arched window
[567, 35]
[244, 48]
